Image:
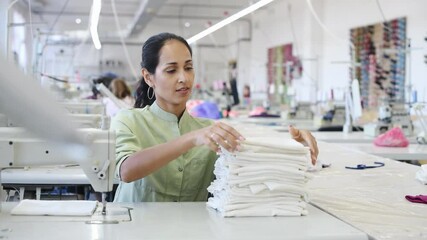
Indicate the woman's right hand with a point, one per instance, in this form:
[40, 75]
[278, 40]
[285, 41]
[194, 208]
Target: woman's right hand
[219, 134]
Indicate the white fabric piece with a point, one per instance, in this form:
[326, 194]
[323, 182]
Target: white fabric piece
[257, 188]
[262, 212]
[243, 182]
[290, 174]
[274, 144]
[264, 167]
[223, 199]
[421, 175]
[295, 207]
[236, 164]
[251, 156]
[54, 208]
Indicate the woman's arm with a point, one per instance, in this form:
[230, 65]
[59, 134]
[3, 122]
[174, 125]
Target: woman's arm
[146, 161]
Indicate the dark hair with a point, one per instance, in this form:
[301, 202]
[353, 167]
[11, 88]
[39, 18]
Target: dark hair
[101, 80]
[150, 60]
[119, 88]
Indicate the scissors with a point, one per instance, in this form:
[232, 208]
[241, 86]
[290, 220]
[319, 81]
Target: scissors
[363, 166]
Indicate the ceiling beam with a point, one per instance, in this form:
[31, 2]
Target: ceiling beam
[221, 6]
[85, 13]
[169, 16]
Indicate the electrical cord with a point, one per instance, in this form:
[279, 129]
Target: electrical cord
[11, 4]
[119, 30]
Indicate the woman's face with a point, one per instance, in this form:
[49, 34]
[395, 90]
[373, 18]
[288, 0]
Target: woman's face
[174, 76]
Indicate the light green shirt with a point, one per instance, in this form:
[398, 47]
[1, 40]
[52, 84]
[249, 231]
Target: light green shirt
[183, 179]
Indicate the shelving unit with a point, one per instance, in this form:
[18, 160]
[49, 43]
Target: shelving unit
[381, 51]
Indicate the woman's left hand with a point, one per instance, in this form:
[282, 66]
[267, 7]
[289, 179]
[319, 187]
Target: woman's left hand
[305, 137]
[218, 134]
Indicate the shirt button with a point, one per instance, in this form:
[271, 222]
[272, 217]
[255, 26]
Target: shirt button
[180, 169]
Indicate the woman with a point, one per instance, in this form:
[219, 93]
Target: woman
[163, 153]
[122, 92]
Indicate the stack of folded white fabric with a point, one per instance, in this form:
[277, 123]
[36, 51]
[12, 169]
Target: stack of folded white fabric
[266, 178]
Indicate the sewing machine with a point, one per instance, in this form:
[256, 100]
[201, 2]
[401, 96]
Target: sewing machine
[334, 117]
[418, 109]
[20, 148]
[302, 110]
[390, 115]
[84, 107]
[82, 121]
[50, 136]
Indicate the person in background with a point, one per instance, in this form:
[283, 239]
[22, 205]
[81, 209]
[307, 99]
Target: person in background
[163, 153]
[106, 80]
[122, 92]
[246, 95]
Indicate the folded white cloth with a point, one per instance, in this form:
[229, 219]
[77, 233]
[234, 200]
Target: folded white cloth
[273, 145]
[55, 208]
[263, 211]
[295, 206]
[243, 182]
[293, 174]
[267, 178]
[269, 156]
[262, 207]
[421, 174]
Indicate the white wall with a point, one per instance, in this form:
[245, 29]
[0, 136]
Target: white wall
[271, 27]
[86, 59]
[274, 26]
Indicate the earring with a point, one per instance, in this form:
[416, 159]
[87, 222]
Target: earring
[148, 93]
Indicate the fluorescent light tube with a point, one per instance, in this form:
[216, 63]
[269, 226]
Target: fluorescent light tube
[228, 20]
[94, 19]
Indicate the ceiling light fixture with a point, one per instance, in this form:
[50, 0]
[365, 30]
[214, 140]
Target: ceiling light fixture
[228, 20]
[94, 19]
[78, 20]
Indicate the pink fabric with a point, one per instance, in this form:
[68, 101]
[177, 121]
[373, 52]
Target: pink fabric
[392, 138]
[417, 199]
[257, 111]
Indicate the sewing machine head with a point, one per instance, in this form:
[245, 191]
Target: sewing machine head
[20, 148]
[50, 137]
[391, 115]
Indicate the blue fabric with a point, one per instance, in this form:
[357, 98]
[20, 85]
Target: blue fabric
[206, 110]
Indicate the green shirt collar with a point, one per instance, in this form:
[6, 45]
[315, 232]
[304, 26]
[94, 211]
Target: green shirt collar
[167, 116]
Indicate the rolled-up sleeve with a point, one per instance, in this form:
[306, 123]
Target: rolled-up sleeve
[127, 142]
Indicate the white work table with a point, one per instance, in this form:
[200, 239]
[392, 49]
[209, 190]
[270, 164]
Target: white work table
[412, 152]
[352, 137]
[372, 200]
[179, 221]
